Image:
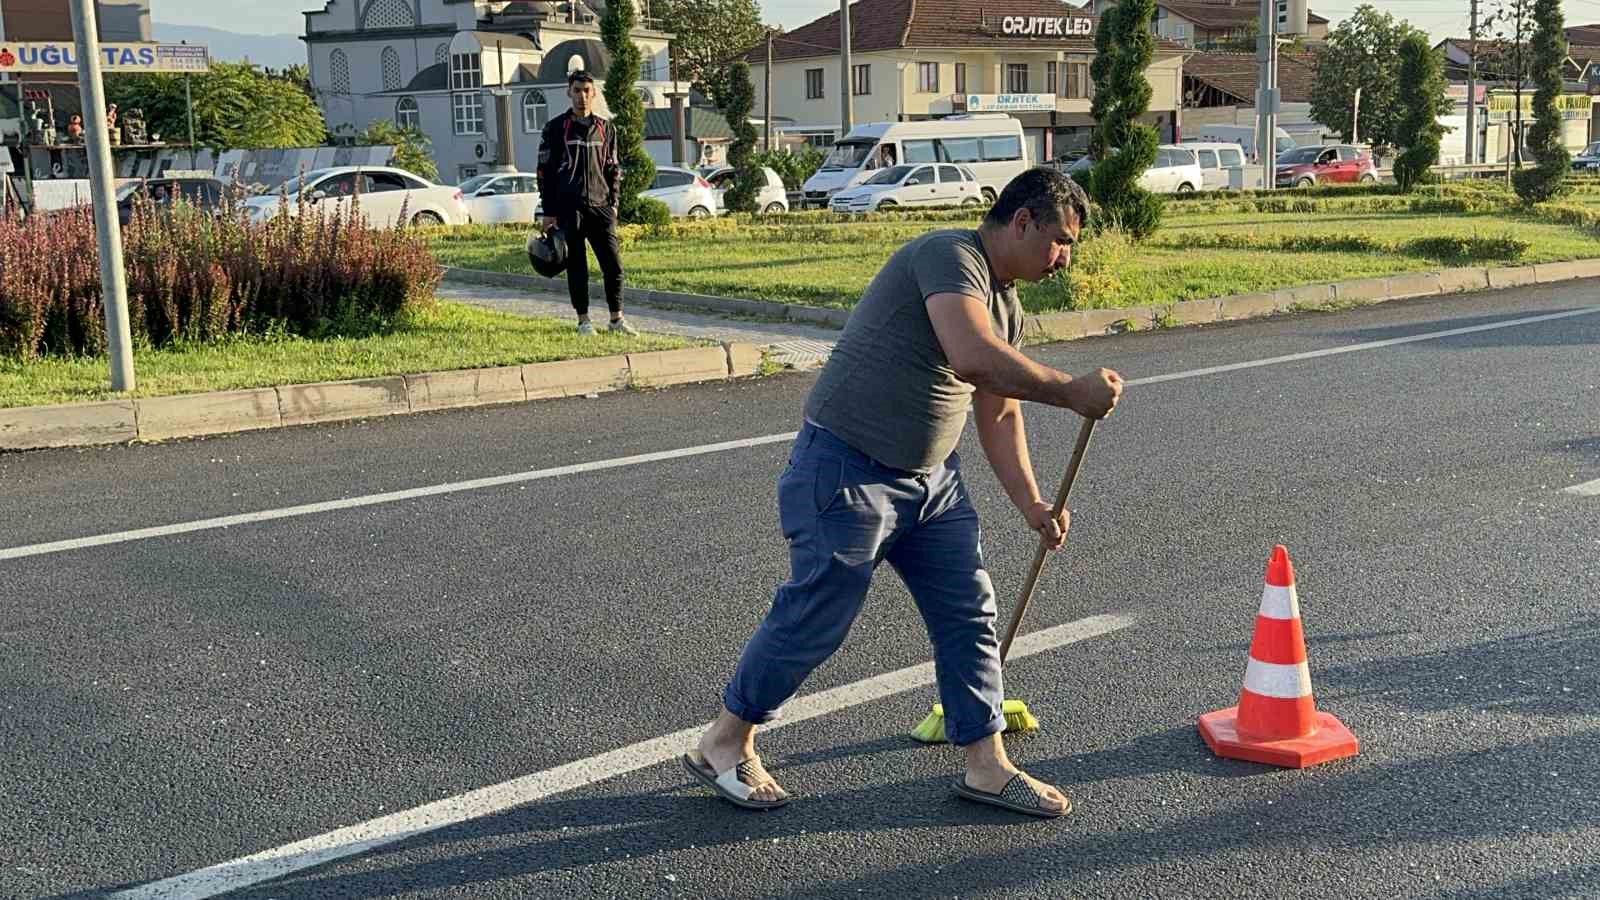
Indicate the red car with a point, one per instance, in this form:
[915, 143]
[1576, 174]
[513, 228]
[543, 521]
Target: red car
[1327, 164]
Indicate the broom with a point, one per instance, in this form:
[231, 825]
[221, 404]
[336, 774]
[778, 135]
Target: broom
[1018, 718]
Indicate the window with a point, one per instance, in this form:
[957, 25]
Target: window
[961, 150]
[961, 78]
[920, 151]
[921, 176]
[647, 69]
[1017, 78]
[406, 114]
[339, 72]
[861, 80]
[337, 186]
[441, 54]
[1001, 149]
[949, 175]
[388, 14]
[391, 69]
[813, 84]
[671, 178]
[535, 112]
[1230, 158]
[1348, 153]
[1179, 157]
[467, 172]
[1078, 85]
[1208, 159]
[928, 77]
[381, 182]
[1050, 77]
[466, 112]
[466, 72]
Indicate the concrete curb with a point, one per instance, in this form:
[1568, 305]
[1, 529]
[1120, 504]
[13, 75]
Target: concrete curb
[220, 412]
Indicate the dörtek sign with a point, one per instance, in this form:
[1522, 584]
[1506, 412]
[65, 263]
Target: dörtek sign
[52, 56]
[1046, 26]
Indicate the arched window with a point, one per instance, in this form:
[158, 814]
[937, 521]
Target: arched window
[388, 14]
[339, 72]
[535, 111]
[391, 69]
[406, 114]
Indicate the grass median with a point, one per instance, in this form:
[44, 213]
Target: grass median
[449, 336]
[1207, 247]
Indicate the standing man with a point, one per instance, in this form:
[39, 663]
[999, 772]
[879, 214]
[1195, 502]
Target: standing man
[874, 476]
[579, 183]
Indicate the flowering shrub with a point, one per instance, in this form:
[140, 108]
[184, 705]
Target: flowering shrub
[195, 277]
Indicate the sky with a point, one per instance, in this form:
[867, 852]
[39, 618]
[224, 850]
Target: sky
[1442, 18]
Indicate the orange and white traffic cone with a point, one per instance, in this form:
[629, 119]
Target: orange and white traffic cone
[1276, 721]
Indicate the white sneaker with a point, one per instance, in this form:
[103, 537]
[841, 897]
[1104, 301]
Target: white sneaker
[586, 327]
[622, 326]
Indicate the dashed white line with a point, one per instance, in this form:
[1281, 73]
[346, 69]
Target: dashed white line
[1587, 489]
[373, 833]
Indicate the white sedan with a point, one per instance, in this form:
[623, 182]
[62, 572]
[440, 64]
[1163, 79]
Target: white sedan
[917, 184]
[496, 198]
[772, 198]
[684, 192]
[386, 195]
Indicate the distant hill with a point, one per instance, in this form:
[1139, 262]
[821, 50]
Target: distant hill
[271, 50]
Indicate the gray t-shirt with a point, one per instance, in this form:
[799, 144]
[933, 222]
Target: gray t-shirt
[887, 389]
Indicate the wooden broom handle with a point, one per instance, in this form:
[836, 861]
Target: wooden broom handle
[1084, 434]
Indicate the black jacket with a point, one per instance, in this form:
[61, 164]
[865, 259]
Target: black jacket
[578, 164]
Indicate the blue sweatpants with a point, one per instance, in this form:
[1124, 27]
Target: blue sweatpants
[843, 514]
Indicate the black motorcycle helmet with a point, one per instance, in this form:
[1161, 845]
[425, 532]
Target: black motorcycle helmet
[547, 251]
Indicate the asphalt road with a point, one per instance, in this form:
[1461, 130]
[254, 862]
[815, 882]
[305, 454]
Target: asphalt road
[179, 701]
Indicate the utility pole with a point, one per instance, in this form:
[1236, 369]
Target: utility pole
[1267, 96]
[766, 105]
[845, 83]
[1472, 87]
[1355, 120]
[113, 287]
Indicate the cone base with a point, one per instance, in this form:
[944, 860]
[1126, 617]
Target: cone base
[1330, 741]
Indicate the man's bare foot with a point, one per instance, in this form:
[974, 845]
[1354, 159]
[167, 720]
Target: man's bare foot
[730, 741]
[990, 770]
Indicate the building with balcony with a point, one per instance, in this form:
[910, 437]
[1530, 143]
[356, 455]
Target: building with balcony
[933, 58]
[440, 66]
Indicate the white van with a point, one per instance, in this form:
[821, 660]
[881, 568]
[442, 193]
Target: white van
[1243, 135]
[1218, 163]
[990, 145]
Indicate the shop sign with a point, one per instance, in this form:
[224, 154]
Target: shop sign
[1010, 103]
[62, 56]
[1046, 26]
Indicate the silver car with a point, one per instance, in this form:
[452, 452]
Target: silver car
[772, 198]
[684, 192]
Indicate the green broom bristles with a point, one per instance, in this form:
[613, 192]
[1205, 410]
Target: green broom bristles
[1018, 720]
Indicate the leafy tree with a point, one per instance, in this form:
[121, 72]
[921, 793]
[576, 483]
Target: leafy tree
[627, 110]
[235, 105]
[1547, 180]
[1507, 58]
[707, 34]
[1418, 131]
[738, 96]
[412, 149]
[1122, 148]
[1364, 52]
[793, 166]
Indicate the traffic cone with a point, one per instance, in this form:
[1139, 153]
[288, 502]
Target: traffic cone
[1276, 721]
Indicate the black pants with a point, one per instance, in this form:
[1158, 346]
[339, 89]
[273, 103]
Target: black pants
[598, 226]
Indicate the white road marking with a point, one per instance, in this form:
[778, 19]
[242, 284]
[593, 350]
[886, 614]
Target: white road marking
[373, 833]
[1587, 489]
[539, 474]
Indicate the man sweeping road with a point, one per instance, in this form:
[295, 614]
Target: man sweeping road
[873, 476]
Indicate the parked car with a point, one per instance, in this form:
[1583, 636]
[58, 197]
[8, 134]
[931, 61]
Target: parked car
[1243, 135]
[206, 194]
[772, 198]
[684, 192]
[496, 198]
[1587, 160]
[941, 184]
[1326, 164]
[385, 192]
[1175, 171]
[1217, 162]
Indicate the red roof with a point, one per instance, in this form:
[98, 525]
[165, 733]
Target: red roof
[1222, 14]
[1238, 74]
[932, 24]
